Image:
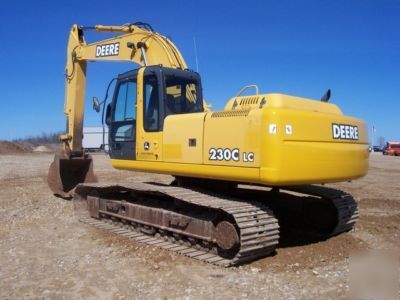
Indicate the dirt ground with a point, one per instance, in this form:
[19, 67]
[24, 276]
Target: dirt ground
[12, 148]
[47, 253]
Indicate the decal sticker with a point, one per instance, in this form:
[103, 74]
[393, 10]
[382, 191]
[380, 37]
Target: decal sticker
[344, 132]
[272, 129]
[227, 154]
[289, 129]
[248, 157]
[224, 154]
[107, 50]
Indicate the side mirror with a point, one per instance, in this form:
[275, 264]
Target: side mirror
[108, 114]
[96, 104]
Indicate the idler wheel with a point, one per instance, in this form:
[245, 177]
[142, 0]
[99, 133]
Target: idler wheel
[226, 235]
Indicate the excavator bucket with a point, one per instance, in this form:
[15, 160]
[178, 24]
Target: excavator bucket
[66, 173]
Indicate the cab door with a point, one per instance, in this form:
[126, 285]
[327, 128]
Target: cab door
[150, 114]
[122, 122]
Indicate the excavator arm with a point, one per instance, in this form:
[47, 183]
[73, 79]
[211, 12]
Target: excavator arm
[137, 43]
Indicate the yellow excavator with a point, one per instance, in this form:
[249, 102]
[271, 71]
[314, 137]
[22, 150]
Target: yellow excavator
[234, 169]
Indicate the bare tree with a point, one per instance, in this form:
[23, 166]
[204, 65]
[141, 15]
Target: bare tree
[44, 138]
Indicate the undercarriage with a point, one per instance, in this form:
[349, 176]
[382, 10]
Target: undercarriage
[226, 227]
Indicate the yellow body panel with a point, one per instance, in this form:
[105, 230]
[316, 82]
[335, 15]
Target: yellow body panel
[288, 141]
[307, 153]
[190, 170]
[233, 130]
[183, 138]
[280, 101]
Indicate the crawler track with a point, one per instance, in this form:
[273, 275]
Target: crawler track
[219, 229]
[256, 228]
[346, 210]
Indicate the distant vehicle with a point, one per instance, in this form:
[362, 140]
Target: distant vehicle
[377, 148]
[392, 148]
[93, 138]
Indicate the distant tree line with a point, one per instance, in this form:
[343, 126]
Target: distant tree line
[44, 138]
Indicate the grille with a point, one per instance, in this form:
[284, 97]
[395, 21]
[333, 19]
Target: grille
[230, 113]
[249, 100]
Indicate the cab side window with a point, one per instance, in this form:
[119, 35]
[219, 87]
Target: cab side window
[151, 104]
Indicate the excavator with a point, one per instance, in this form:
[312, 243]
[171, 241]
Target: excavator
[233, 169]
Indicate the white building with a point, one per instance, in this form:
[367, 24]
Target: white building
[93, 138]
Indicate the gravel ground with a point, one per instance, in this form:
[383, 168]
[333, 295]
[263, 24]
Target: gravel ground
[47, 253]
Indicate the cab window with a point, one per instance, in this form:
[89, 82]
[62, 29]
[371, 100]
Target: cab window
[124, 117]
[151, 104]
[181, 96]
[126, 101]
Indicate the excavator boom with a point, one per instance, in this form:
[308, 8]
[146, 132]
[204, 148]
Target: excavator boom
[137, 43]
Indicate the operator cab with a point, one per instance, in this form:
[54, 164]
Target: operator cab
[159, 93]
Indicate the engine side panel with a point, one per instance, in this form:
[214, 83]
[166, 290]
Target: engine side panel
[304, 147]
[232, 138]
[183, 138]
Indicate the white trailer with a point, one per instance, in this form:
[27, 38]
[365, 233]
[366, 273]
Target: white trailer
[93, 138]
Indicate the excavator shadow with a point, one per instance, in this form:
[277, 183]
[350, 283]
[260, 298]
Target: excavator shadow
[303, 220]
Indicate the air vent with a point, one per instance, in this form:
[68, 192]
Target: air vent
[230, 113]
[249, 100]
